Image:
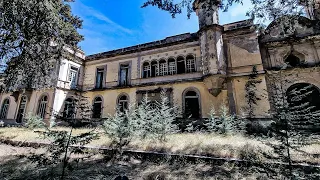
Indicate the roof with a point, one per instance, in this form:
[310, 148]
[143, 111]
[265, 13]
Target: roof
[169, 41]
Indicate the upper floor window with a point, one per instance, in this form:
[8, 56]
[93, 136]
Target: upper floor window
[172, 66]
[181, 65]
[4, 108]
[163, 68]
[123, 102]
[22, 108]
[124, 75]
[146, 70]
[42, 106]
[99, 78]
[154, 68]
[73, 76]
[97, 107]
[191, 64]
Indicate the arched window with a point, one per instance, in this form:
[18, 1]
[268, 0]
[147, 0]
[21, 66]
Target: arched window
[163, 68]
[69, 111]
[97, 107]
[21, 110]
[172, 66]
[146, 70]
[181, 65]
[42, 106]
[293, 60]
[154, 69]
[191, 64]
[123, 101]
[5, 108]
[191, 104]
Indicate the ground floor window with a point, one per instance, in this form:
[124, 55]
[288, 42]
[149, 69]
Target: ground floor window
[69, 109]
[97, 107]
[191, 104]
[42, 106]
[21, 110]
[4, 108]
[123, 101]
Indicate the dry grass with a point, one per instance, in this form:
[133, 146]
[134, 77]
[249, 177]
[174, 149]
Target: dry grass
[236, 146]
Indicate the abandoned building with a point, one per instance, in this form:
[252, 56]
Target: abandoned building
[198, 70]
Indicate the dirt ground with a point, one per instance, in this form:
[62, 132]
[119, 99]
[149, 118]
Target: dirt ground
[14, 165]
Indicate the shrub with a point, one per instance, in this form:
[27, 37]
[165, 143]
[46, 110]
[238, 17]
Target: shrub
[34, 121]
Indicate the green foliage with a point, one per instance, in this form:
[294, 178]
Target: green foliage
[34, 121]
[121, 127]
[262, 10]
[251, 92]
[225, 123]
[165, 117]
[33, 35]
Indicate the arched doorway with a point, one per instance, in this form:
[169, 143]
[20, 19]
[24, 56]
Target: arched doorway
[21, 110]
[304, 105]
[191, 104]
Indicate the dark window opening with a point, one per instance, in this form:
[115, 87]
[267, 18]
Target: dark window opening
[21, 110]
[123, 103]
[69, 109]
[99, 78]
[124, 75]
[97, 107]
[192, 106]
[154, 68]
[42, 107]
[293, 60]
[181, 66]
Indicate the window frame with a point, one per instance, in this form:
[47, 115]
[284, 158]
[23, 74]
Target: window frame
[19, 107]
[2, 114]
[101, 107]
[123, 101]
[104, 76]
[128, 80]
[43, 114]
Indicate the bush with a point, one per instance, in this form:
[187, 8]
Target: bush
[34, 121]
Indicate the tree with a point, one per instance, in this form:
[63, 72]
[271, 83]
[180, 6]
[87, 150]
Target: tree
[33, 37]
[251, 92]
[262, 10]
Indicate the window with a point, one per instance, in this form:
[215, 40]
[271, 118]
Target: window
[42, 106]
[97, 107]
[146, 70]
[191, 67]
[124, 75]
[293, 60]
[163, 68]
[69, 111]
[154, 69]
[73, 77]
[4, 108]
[21, 110]
[123, 103]
[181, 66]
[191, 104]
[99, 78]
[172, 66]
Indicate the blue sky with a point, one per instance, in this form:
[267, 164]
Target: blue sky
[110, 24]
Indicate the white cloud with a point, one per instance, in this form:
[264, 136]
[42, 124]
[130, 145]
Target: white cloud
[88, 11]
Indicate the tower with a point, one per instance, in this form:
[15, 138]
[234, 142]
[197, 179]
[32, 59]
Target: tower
[211, 44]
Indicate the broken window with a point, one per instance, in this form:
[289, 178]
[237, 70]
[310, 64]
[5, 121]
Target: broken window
[73, 77]
[123, 103]
[163, 68]
[4, 108]
[191, 64]
[97, 107]
[42, 106]
[124, 75]
[172, 66]
[293, 60]
[181, 66]
[146, 70]
[154, 68]
[21, 110]
[99, 78]
[69, 109]
[192, 105]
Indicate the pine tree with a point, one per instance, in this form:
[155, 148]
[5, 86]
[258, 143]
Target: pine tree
[165, 117]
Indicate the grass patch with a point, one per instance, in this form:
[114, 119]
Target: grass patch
[232, 146]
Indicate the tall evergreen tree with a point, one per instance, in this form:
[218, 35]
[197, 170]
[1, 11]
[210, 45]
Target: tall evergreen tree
[33, 35]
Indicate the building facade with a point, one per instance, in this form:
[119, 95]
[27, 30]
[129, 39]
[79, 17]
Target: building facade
[198, 71]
